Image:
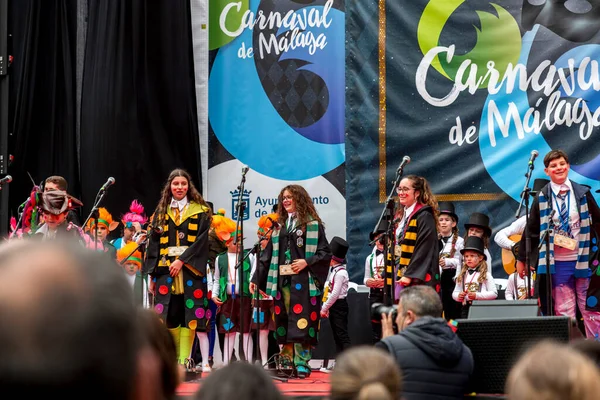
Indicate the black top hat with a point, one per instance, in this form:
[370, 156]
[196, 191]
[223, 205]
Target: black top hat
[538, 184]
[481, 221]
[474, 243]
[447, 207]
[211, 205]
[339, 249]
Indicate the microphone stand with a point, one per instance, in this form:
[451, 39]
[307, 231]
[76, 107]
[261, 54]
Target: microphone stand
[546, 239]
[525, 200]
[241, 207]
[385, 225]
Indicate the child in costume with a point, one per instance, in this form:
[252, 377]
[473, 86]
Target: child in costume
[104, 224]
[227, 295]
[335, 306]
[132, 224]
[130, 257]
[374, 265]
[474, 282]
[262, 314]
[479, 225]
[450, 256]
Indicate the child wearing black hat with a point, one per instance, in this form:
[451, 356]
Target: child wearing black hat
[450, 256]
[335, 305]
[479, 225]
[474, 282]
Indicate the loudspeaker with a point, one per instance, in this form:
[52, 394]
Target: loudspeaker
[496, 345]
[504, 309]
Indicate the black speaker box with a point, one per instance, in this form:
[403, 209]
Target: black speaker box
[496, 345]
[504, 309]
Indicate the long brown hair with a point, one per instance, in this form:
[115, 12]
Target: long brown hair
[305, 209]
[165, 198]
[426, 197]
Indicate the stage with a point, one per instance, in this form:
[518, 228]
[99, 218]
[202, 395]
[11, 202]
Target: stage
[315, 386]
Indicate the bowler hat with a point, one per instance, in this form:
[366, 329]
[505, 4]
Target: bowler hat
[339, 248]
[474, 243]
[447, 207]
[481, 221]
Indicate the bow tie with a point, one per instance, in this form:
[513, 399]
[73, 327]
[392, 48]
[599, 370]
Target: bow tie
[378, 252]
[471, 271]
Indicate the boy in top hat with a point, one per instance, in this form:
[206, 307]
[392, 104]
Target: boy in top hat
[335, 305]
[55, 206]
[450, 257]
[130, 257]
[568, 213]
[479, 225]
[474, 282]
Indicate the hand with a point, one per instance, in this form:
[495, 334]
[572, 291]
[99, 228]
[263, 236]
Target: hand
[442, 262]
[387, 325]
[472, 295]
[217, 300]
[405, 281]
[521, 268]
[252, 287]
[378, 282]
[141, 238]
[175, 267]
[324, 314]
[298, 265]
[461, 296]
[137, 226]
[152, 287]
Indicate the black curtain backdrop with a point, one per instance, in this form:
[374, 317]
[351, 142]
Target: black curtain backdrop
[42, 95]
[138, 106]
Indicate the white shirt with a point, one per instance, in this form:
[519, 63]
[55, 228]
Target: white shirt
[374, 264]
[516, 228]
[560, 253]
[179, 203]
[407, 212]
[338, 278]
[232, 273]
[512, 292]
[486, 290]
[456, 261]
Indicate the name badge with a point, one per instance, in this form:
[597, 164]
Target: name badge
[565, 242]
[286, 269]
[176, 251]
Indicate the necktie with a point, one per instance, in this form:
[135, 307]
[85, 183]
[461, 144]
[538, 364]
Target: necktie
[378, 252]
[564, 212]
[291, 223]
[471, 271]
[176, 214]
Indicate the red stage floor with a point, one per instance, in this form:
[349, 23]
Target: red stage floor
[316, 385]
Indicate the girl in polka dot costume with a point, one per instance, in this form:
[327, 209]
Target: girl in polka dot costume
[293, 268]
[176, 260]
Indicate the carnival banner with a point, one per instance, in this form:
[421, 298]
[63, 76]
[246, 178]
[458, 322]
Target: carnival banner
[468, 89]
[276, 105]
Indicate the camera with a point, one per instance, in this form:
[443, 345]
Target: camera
[377, 309]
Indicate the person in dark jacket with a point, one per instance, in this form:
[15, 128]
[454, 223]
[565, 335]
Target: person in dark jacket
[435, 363]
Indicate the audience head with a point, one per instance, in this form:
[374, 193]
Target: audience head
[365, 373]
[415, 302]
[240, 381]
[588, 347]
[553, 371]
[67, 323]
[161, 342]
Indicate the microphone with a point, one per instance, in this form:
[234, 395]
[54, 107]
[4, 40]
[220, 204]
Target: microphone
[534, 154]
[245, 170]
[6, 179]
[405, 160]
[107, 184]
[274, 223]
